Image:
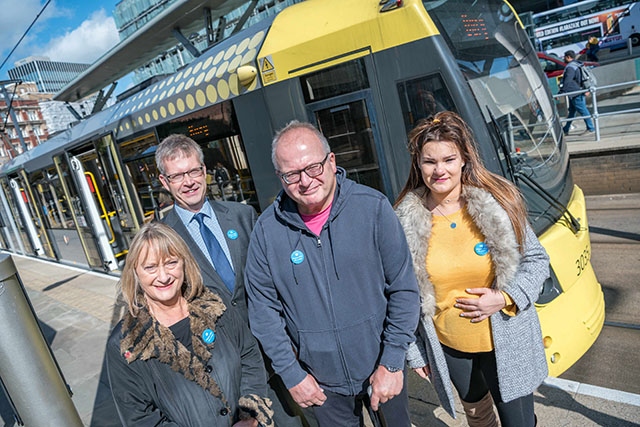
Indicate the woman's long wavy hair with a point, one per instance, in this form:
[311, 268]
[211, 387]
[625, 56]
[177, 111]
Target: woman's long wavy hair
[449, 126]
[165, 242]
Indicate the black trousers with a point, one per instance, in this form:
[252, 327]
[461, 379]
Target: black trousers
[475, 374]
[347, 411]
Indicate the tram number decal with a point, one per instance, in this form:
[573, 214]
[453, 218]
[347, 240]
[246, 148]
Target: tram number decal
[583, 260]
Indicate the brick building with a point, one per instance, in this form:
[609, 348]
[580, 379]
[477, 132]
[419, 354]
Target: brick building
[25, 103]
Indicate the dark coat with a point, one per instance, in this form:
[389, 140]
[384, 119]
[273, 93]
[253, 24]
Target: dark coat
[156, 381]
[230, 215]
[571, 79]
[338, 304]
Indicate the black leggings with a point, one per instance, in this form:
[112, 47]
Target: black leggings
[475, 374]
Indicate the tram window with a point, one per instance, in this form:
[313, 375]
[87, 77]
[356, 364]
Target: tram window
[216, 130]
[138, 157]
[335, 81]
[423, 97]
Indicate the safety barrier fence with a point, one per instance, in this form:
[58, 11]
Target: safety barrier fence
[596, 115]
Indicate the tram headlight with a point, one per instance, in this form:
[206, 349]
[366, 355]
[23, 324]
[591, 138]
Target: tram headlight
[550, 289]
[247, 74]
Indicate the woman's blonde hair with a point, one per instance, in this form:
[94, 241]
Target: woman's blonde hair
[165, 242]
[449, 126]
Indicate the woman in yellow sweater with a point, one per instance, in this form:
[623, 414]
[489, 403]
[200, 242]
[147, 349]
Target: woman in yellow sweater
[480, 269]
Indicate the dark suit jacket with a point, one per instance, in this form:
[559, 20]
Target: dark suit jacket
[230, 215]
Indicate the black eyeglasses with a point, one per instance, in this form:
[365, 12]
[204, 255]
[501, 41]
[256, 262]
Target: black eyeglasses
[313, 170]
[179, 177]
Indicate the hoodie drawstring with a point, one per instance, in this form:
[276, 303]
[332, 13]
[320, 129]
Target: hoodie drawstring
[333, 254]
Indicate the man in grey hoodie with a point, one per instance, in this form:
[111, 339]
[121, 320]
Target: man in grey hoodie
[333, 298]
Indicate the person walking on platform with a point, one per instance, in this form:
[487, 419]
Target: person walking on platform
[480, 270]
[179, 357]
[217, 232]
[572, 82]
[333, 299]
[592, 48]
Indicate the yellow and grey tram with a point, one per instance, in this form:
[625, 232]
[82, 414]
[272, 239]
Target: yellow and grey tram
[364, 72]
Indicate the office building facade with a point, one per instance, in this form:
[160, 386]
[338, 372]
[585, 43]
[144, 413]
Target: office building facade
[49, 76]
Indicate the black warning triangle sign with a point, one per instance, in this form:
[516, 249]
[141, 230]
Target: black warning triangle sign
[266, 65]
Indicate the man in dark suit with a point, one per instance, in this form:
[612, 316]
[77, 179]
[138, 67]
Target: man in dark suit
[180, 161]
[181, 164]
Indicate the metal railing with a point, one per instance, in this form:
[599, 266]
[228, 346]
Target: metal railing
[595, 114]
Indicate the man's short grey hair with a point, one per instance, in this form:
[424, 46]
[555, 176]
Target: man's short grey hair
[176, 146]
[292, 125]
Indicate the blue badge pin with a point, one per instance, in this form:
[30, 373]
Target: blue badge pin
[232, 234]
[481, 249]
[208, 336]
[297, 257]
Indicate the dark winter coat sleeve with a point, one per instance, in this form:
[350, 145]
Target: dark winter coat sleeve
[135, 406]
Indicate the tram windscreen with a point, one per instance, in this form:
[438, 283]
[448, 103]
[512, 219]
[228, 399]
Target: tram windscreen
[499, 62]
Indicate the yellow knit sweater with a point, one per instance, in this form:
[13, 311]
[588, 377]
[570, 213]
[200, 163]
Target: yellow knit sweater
[454, 266]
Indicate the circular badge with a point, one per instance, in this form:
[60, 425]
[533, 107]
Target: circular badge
[481, 249]
[208, 336]
[232, 234]
[297, 257]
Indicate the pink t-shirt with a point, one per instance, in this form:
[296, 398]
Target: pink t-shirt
[316, 221]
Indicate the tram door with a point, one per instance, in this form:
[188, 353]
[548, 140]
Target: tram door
[12, 222]
[108, 211]
[58, 216]
[27, 217]
[349, 129]
[32, 215]
[345, 115]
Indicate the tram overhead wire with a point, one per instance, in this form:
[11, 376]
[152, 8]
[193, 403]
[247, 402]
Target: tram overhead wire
[25, 33]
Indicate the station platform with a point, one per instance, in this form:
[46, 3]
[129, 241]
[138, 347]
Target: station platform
[78, 308]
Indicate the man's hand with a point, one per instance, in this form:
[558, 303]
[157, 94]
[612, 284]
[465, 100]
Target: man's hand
[385, 386]
[308, 393]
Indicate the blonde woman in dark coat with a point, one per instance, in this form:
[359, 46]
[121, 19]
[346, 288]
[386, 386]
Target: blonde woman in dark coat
[480, 269]
[179, 357]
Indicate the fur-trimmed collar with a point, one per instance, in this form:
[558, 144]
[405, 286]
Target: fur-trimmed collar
[144, 338]
[486, 213]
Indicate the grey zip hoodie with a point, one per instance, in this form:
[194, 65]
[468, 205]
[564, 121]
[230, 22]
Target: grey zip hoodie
[338, 304]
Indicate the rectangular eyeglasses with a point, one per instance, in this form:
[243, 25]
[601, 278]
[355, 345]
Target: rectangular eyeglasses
[179, 177]
[313, 170]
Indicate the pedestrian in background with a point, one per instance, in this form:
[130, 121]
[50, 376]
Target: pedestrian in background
[480, 270]
[592, 48]
[333, 298]
[572, 82]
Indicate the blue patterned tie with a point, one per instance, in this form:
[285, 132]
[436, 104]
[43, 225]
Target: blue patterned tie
[220, 261]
